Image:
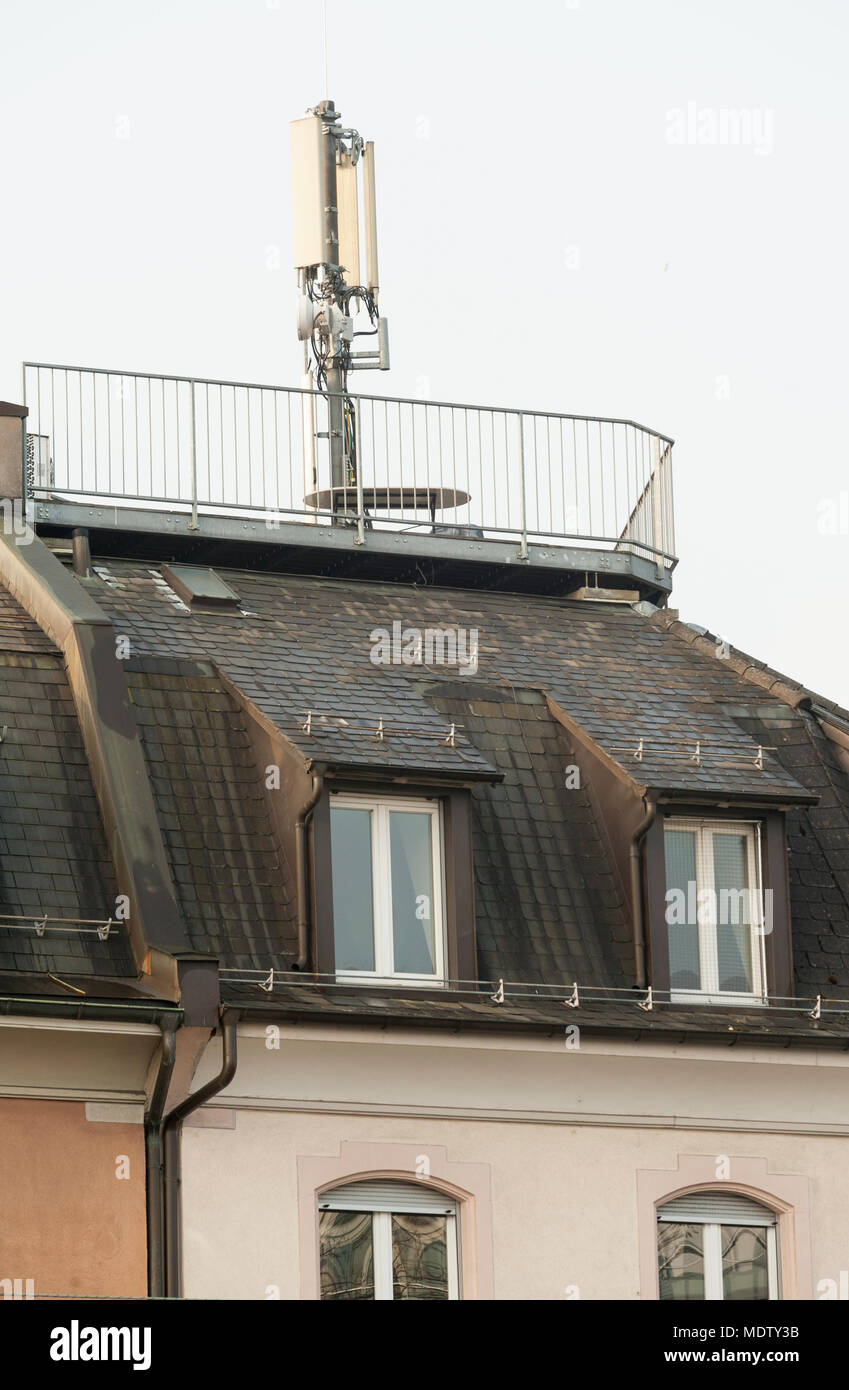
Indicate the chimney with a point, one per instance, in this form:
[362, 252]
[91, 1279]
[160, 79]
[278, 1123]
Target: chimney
[12, 451]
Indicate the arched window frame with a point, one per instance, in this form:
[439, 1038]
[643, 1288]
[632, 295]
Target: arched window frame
[382, 1200]
[788, 1195]
[712, 1253]
[468, 1184]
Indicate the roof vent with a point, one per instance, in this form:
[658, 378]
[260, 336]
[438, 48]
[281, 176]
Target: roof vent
[201, 588]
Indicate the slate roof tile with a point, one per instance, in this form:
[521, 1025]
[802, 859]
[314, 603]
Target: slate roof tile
[620, 675]
[548, 906]
[53, 855]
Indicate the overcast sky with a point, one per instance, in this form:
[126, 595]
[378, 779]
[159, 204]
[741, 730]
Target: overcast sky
[566, 223]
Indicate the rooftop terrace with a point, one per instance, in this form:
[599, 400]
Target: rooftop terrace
[162, 465]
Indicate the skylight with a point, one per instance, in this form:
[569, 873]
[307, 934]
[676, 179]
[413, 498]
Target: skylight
[200, 587]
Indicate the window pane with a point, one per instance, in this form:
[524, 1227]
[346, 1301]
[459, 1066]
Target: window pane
[347, 1255]
[733, 912]
[353, 900]
[745, 1265]
[412, 893]
[682, 933]
[419, 1257]
[680, 1260]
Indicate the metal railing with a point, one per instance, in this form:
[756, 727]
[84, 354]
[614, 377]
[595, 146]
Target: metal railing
[216, 447]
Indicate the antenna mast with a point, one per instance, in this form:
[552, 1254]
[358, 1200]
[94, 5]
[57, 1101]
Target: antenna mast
[324, 37]
[326, 157]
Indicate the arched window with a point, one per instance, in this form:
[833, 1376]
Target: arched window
[385, 1240]
[717, 1245]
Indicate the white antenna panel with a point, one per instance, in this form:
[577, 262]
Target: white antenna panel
[309, 196]
[372, 280]
[347, 203]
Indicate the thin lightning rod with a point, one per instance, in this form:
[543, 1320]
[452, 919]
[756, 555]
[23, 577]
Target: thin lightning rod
[324, 31]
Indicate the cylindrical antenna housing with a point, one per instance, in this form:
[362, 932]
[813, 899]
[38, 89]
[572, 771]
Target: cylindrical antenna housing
[309, 190]
[372, 280]
[347, 203]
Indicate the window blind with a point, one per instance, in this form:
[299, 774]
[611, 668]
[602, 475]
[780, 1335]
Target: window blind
[386, 1196]
[723, 1208]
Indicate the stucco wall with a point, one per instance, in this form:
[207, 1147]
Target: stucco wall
[565, 1209]
[69, 1222]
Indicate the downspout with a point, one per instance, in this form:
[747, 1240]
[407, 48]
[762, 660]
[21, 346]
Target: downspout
[302, 872]
[171, 1149]
[153, 1161]
[637, 891]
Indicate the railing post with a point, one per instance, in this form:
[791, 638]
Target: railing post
[193, 524]
[28, 490]
[523, 545]
[669, 544]
[308, 438]
[656, 486]
[361, 529]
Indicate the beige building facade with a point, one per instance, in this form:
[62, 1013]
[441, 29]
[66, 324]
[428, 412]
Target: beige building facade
[558, 1156]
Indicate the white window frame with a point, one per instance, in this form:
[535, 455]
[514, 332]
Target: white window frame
[381, 876]
[712, 1246]
[709, 992]
[381, 1227]
[381, 1238]
[712, 1257]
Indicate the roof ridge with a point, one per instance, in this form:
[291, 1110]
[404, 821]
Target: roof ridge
[784, 687]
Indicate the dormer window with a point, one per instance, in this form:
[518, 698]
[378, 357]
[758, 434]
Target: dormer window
[715, 918]
[388, 889]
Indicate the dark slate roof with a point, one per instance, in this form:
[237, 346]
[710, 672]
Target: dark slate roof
[18, 631]
[306, 644]
[548, 905]
[620, 1015]
[233, 885]
[549, 908]
[818, 854]
[382, 725]
[791, 691]
[53, 856]
[296, 675]
[818, 838]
